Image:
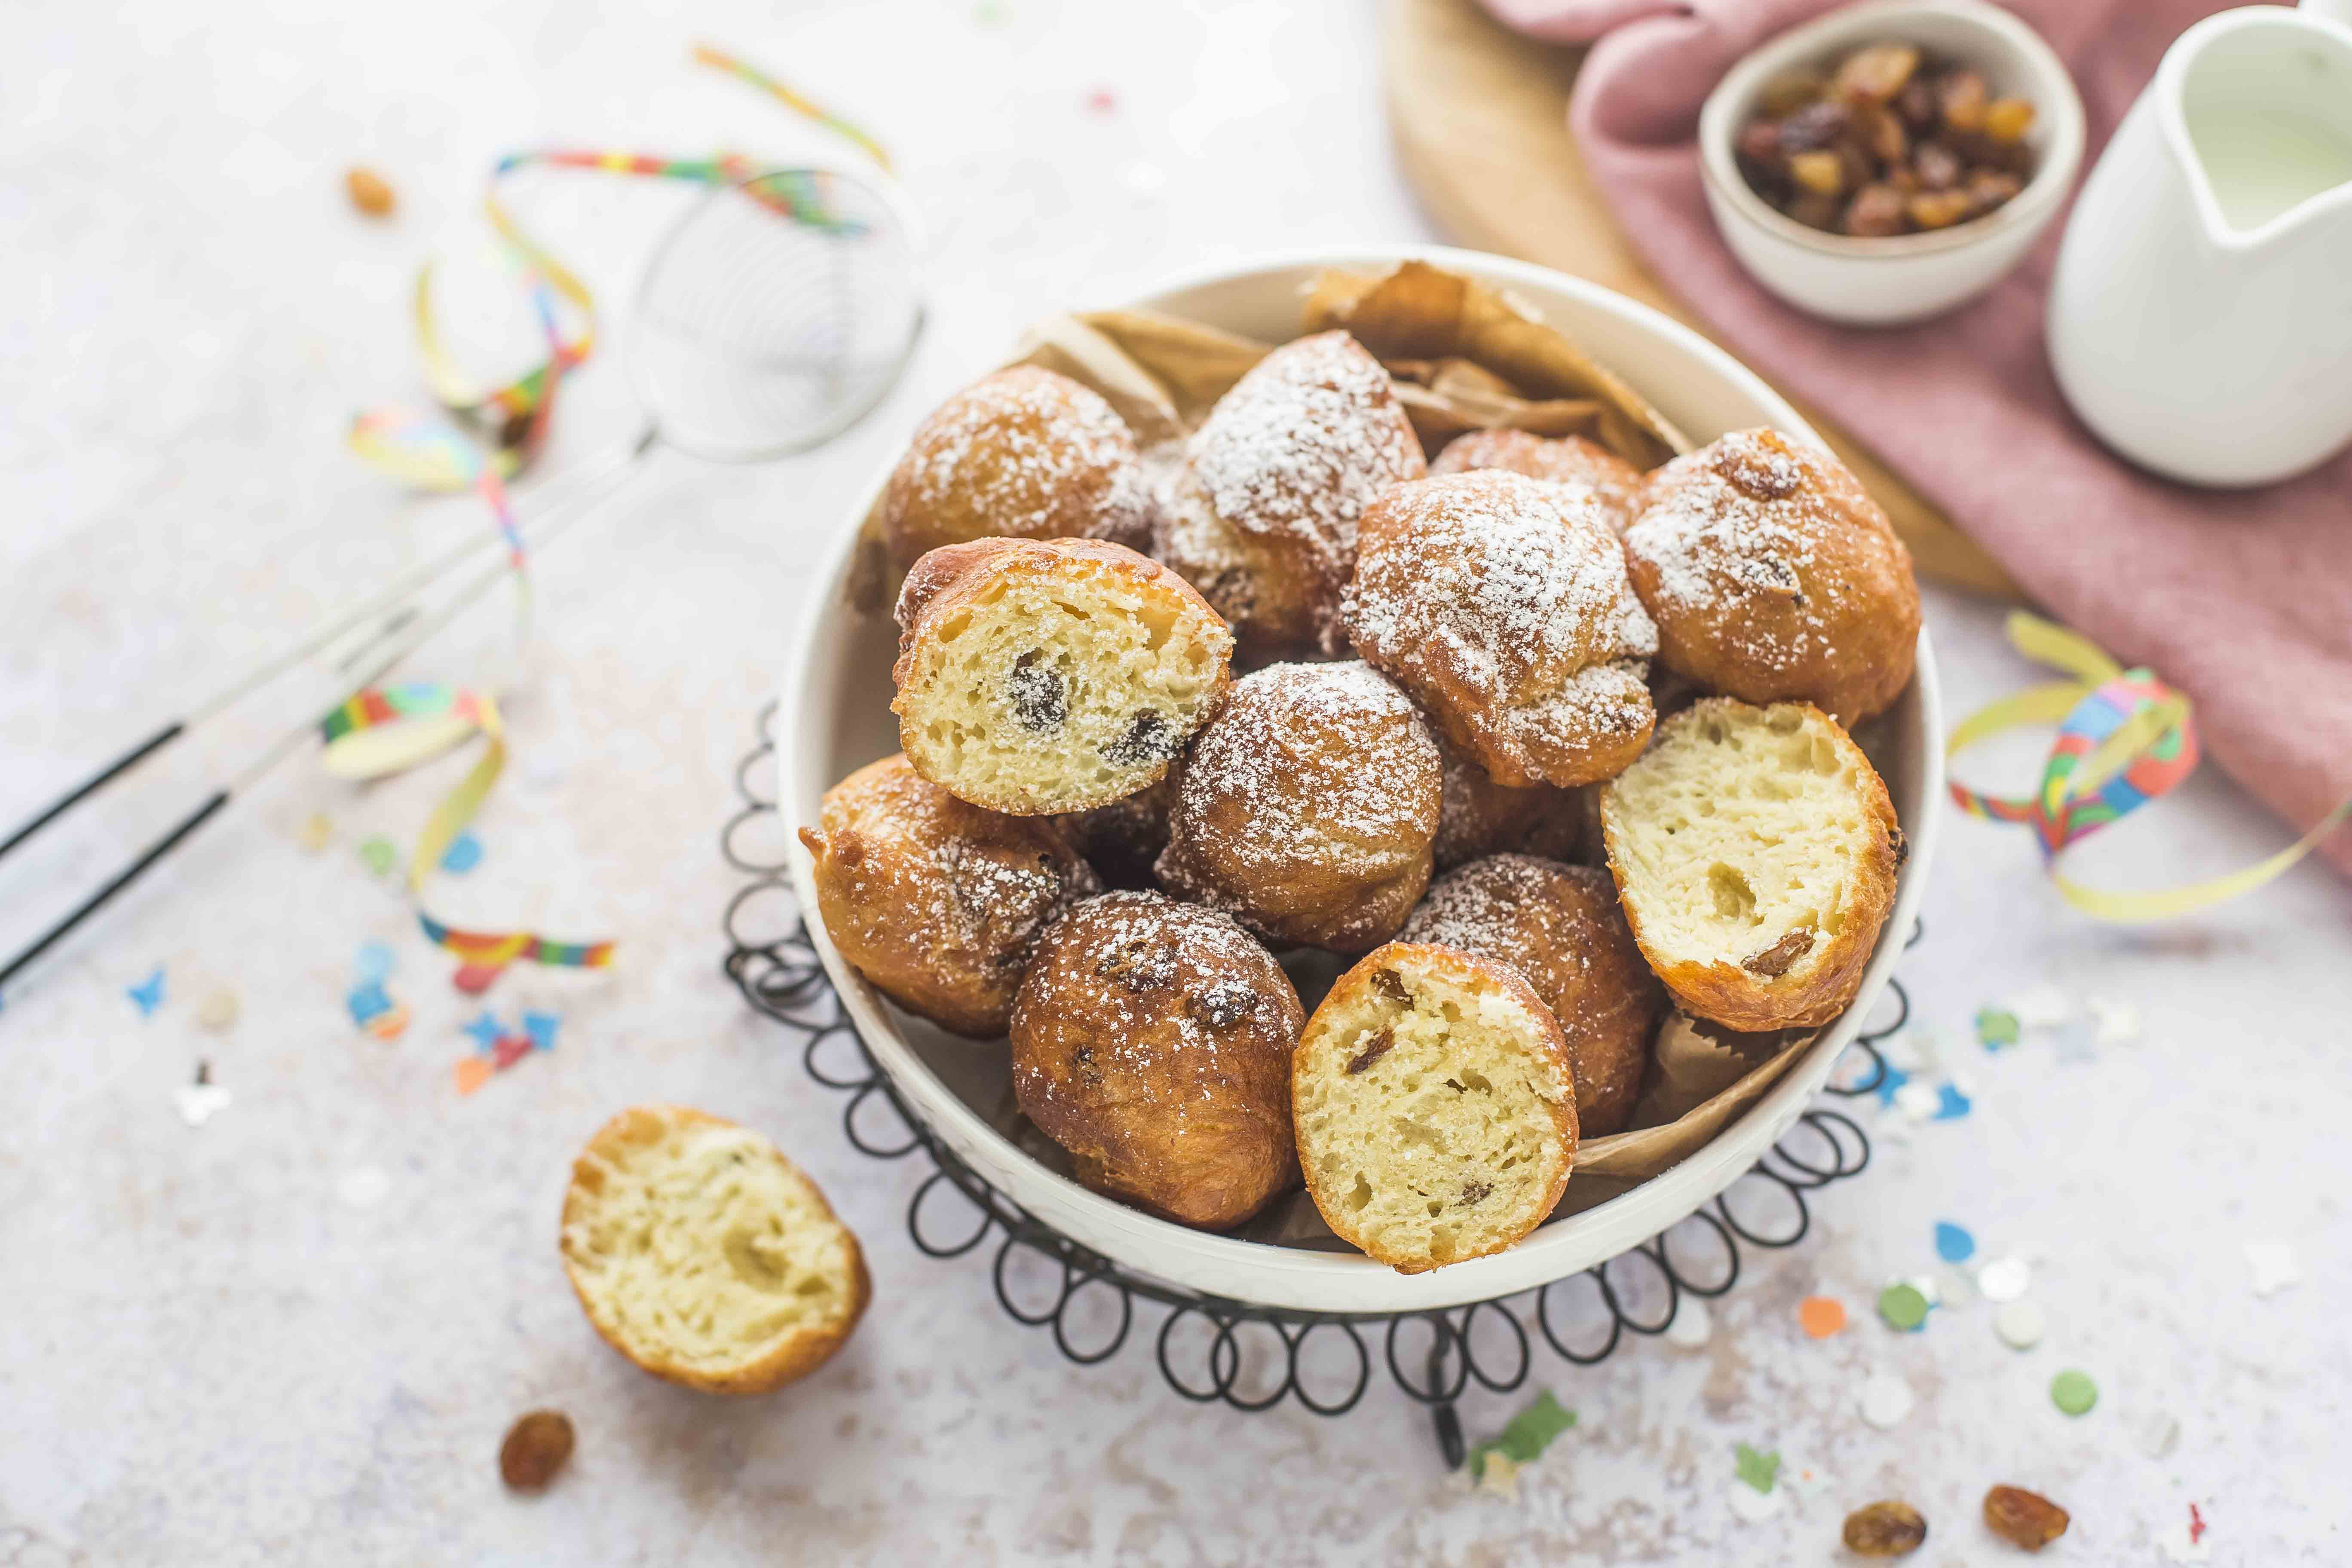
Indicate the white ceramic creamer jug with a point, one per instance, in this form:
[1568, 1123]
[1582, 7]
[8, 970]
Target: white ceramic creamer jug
[2201, 321]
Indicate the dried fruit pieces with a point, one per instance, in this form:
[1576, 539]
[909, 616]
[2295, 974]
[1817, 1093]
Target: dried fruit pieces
[536, 1447]
[2023, 1518]
[1885, 142]
[1885, 1530]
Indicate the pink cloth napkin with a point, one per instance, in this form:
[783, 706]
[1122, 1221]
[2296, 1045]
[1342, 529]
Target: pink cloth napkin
[2242, 599]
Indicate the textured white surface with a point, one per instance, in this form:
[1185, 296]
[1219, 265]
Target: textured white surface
[214, 1348]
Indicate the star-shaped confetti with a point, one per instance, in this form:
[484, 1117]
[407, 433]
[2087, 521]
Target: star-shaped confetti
[148, 995]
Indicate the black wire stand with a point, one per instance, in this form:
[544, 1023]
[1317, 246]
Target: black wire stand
[1253, 1357]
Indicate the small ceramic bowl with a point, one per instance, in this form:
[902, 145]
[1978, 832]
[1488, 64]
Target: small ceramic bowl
[1905, 277]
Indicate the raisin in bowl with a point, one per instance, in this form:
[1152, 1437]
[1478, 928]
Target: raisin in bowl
[1890, 160]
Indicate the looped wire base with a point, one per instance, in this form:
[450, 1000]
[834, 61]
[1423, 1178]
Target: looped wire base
[1254, 1357]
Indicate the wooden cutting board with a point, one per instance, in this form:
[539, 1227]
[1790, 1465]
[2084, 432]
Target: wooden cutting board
[1480, 118]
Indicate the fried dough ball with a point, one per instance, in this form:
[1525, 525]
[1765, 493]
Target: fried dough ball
[1038, 676]
[1152, 1040]
[1477, 817]
[1616, 484]
[1262, 518]
[1122, 839]
[1559, 926]
[1024, 453]
[936, 902]
[1307, 807]
[1774, 577]
[1501, 603]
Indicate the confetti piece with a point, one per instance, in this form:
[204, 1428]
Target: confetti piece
[1752, 1507]
[1953, 1243]
[2004, 1279]
[363, 1186]
[2043, 1007]
[465, 853]
[2018, 1324]
[473, 979]
[1499, 1476]
[1693, 1324]
[379, 855]
[1102, 100]
[1528, 1434]
[1820, 1316]
[486, 1031]
[2159, 1435]
[368, 1000]
[1904, 1306]
[2116, 1023]
[148, 993]
[1918, 1101]
[373, 961]
[1885, 1400]
[1951, 1103]
[2196, 1526]
[316, 834]
[1891, 1082]
[1760, 1470]
[472, 1073]
[2273, 1267]
[217, 1011]
[200, 1101]
[1996, 1030]
[368, 192]
[541, 1028]
[2073, 1392]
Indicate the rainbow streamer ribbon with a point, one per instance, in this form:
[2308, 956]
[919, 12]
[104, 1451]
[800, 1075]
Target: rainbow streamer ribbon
[391, 729]
[510, 418]
[2124, 739]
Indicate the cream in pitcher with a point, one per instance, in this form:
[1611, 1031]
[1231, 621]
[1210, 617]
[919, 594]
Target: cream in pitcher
[2201, 321]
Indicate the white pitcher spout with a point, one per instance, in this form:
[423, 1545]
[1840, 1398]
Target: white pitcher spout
[2256, 106]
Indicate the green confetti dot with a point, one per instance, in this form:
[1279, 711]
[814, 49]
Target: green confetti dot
[1760, 1470]
[379, 854]
[1903, 1307]
[1996, 1027]
[2073, 1392]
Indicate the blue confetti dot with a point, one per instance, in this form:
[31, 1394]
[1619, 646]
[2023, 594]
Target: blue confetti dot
[1893, 1079]
[541, 1028]
[1951, 1103]
[373, 962]
[148, 993]
[465, 853]
[367, 1000]
[486, 1031]
[1954, 1244]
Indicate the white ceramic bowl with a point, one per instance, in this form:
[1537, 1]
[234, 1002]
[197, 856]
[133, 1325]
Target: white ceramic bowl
[836, 718]
[1905, 277]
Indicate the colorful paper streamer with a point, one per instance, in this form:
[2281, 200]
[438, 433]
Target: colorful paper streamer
[2124, 739]
[389, 730]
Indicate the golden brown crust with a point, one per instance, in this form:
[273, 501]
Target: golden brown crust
[936, 902]
[792, 1358]
[1743, 995]
[1616, 484]
[1559, 926]
[1358, 986]
[1501, 603]
[1152, 1039]
[1025, 452]
[1773, 576]
[1262, 515]
[1307, 807]
[1478, 817]
[947, 578]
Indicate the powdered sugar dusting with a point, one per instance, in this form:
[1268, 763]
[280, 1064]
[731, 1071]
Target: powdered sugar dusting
[1327, 764]
[1302, 444]
[1616, 484]
[1508, 595]
[1017, 446]
[1732, 518]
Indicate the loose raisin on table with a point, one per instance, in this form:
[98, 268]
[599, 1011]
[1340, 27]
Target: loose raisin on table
[1885, 1530]
[536, 1447]
[2023, 1518]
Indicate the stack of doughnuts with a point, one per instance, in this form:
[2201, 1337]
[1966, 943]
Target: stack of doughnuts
[1554, 750]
